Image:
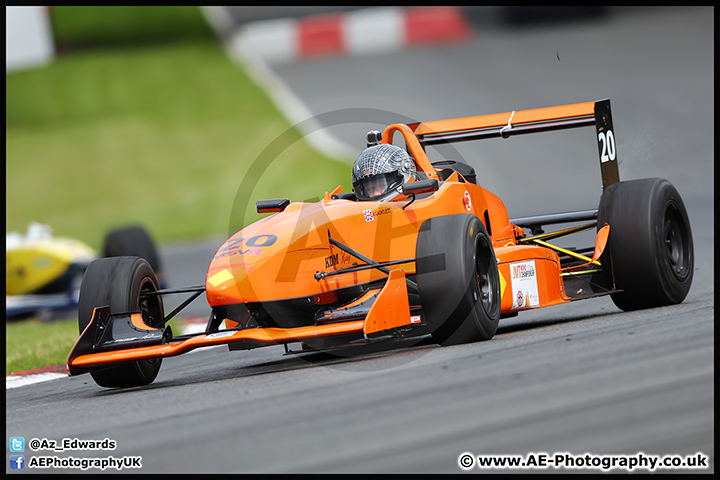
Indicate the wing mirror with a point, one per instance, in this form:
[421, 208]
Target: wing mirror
[422, 186]
[416, 188]
[271, 206]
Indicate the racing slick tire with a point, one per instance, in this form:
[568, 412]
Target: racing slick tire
[117, 282]
[458, 279]
[649, 253]
[132, 241]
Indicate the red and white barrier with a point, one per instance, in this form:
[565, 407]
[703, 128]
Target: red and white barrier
[365, 31]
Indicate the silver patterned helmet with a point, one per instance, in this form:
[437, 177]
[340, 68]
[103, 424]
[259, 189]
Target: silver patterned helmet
[380, 171]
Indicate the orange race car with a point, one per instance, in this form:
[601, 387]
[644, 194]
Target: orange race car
[417, 248]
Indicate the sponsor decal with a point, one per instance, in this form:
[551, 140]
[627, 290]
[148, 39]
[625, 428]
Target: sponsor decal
[523, 279]
[237, 246]
[370, 215]
[332, 260]
[218, 335]
[337, 259]
[250, 251]
[131, 339]
[415, 319]
[467, 201]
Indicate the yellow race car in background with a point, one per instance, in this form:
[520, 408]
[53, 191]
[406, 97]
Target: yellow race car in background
[43, 272]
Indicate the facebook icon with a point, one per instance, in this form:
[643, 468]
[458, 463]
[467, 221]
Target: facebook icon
[17, 462]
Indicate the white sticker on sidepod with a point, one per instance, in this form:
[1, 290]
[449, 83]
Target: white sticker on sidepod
[523, 278]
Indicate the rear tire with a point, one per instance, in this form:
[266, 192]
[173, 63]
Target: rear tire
[649, 254]
[117, 282]
[132, 241]
[458, 279]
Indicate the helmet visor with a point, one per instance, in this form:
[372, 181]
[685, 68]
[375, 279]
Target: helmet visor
[375, 186]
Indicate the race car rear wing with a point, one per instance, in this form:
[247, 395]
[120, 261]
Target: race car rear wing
[507, 124]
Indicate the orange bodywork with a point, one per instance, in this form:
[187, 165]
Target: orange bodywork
[277, 259]
[266, 335]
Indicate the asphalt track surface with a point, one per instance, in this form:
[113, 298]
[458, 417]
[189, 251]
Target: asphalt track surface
[579, 378]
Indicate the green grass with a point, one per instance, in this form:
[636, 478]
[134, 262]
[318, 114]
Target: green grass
[33, 343]
[84, 27]
[132, 129]
[161, 136]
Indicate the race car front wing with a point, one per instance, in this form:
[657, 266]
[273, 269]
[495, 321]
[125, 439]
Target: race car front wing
[109, 339]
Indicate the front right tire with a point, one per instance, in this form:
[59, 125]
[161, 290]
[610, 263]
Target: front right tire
[118, 282]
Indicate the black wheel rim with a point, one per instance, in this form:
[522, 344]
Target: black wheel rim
[151, 306]
[676, 242]
[485, 275]
[152, 313]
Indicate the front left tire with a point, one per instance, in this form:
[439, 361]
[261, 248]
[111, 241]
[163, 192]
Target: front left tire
[458, 279]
